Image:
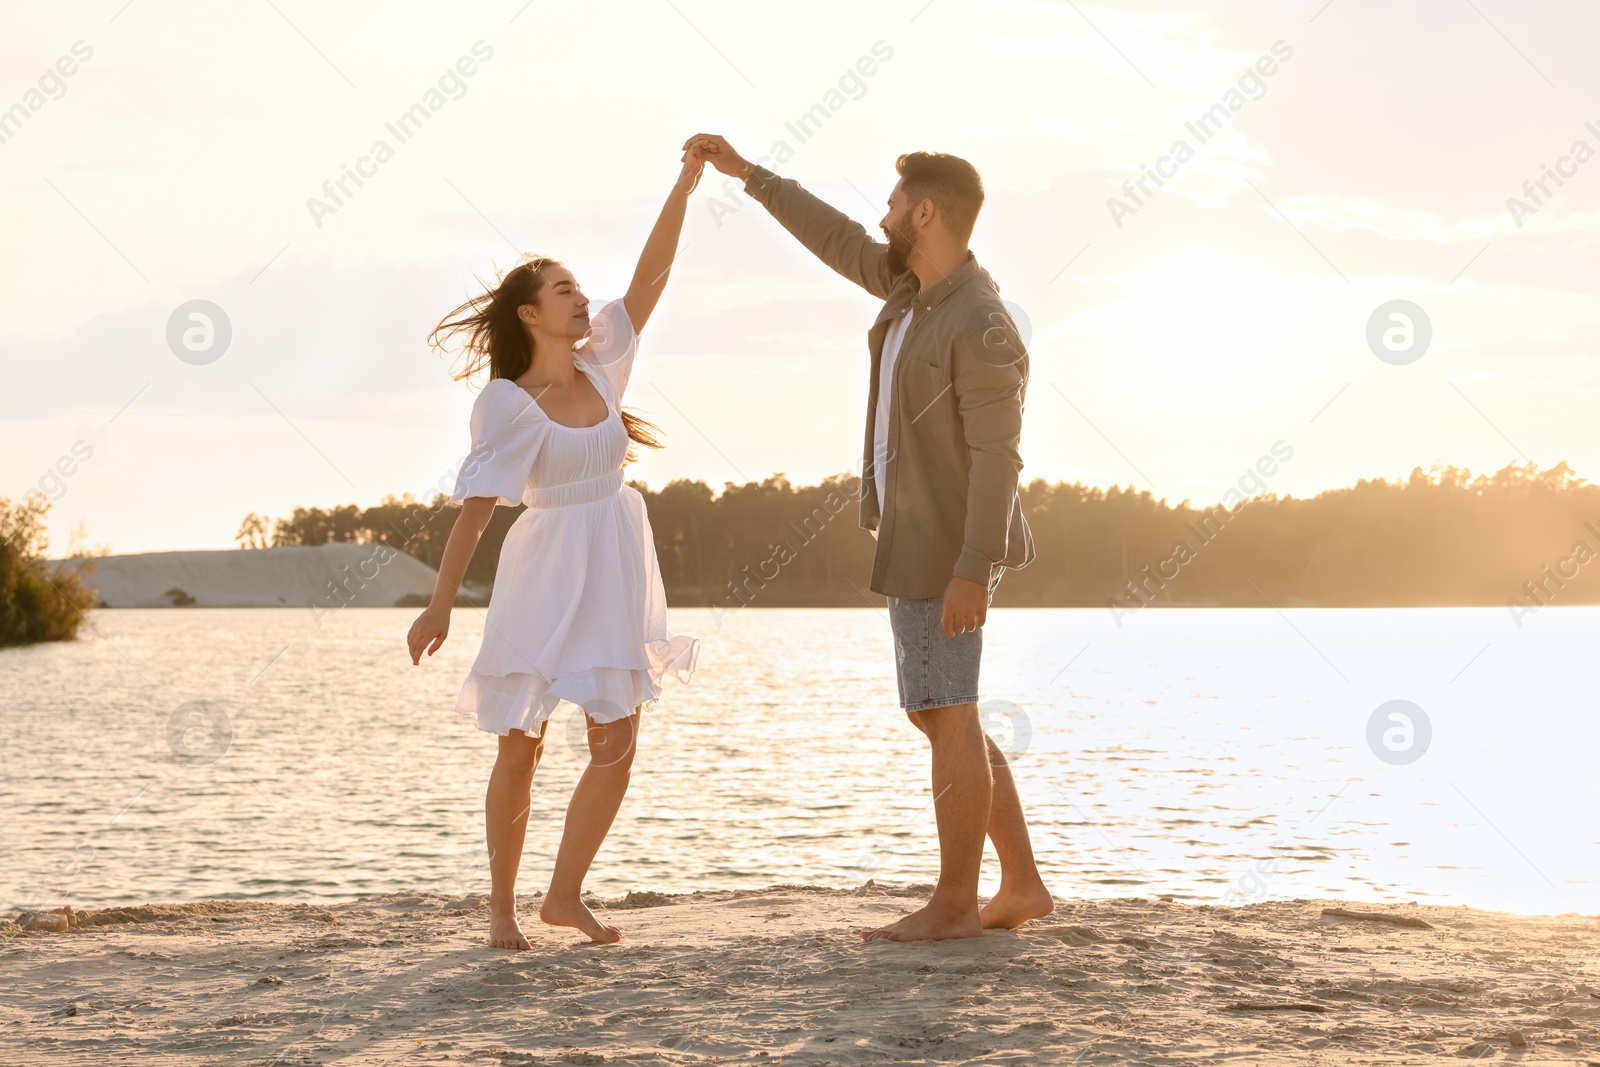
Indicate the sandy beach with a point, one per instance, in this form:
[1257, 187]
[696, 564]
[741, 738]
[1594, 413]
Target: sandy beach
[777, 976]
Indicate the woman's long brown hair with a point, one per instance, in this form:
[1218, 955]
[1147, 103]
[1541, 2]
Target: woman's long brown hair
[496, 340]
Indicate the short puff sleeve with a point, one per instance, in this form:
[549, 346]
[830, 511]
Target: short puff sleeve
[611, 346]
[505, 438]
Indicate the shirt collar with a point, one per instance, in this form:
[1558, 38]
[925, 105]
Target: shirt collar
[929, 298]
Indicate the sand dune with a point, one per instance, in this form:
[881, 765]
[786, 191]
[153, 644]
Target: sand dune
[777, 977]
[369, 576]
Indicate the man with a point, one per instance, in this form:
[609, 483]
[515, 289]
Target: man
[944, 415]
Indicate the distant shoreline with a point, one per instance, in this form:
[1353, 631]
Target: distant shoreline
[336, 575]
[320, 578]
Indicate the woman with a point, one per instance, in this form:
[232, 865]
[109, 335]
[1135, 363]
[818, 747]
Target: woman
[578, 611]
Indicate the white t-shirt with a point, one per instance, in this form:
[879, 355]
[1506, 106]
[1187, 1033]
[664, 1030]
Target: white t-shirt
[880, 418]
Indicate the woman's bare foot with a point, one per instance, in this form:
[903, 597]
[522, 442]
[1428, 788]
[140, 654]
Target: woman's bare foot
[1010, 907]
[504, 930]
[558, 911]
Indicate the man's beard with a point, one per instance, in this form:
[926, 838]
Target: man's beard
[899, 251]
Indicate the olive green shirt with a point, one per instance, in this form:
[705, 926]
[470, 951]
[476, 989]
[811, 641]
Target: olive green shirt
[950, 500]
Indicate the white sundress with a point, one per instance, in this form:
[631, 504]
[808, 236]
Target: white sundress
[578, 612]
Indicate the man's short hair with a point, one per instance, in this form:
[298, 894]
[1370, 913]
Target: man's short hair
[949, 181]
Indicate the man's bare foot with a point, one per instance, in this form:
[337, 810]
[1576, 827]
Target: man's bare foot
[930, 923]
[504, 930]
[1010, 907]
[575, 913]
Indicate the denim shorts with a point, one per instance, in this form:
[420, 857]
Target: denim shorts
[934, 671]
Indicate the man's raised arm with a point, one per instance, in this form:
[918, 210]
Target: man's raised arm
[830, 234]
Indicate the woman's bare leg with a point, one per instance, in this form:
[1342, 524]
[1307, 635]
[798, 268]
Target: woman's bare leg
[505, 811]
[590, 813]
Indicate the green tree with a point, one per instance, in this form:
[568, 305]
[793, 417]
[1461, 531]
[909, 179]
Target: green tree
[36, 604]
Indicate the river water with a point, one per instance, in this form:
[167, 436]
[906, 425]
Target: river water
[1209, 755]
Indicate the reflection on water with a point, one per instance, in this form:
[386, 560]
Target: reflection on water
[1207, 755]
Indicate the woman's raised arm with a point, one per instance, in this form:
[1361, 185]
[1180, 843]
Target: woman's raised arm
[655, 262]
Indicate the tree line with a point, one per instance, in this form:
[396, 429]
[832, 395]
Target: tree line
[1438, 538]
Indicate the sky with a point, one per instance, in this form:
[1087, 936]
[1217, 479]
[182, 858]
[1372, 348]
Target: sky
[1357, 154]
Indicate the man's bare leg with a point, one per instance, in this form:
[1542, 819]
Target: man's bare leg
[505, 810]
[1022, 894]
[962, 790]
